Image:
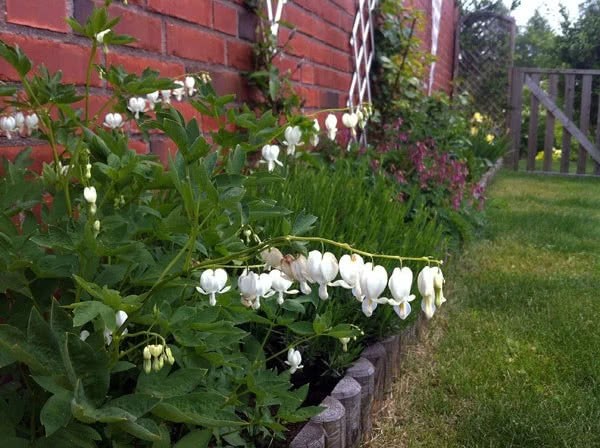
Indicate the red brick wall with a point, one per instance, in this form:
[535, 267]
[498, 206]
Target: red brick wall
[179, 36]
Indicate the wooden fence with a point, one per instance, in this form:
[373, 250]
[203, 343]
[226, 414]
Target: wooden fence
[555, 90]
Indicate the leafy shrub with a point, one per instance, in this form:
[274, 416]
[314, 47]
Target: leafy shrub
[120, 326]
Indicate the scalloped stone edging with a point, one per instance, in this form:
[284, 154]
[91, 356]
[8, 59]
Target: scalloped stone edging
[346, 419]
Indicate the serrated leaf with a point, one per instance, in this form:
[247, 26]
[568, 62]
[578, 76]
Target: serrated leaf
[302, 328]
[180, 382]
[303, 223]
[87, 367]
[84, 312]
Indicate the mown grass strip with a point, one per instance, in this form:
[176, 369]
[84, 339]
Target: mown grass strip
[514, 360]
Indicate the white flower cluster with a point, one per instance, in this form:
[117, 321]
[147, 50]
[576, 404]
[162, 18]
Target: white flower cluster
[155, 356]
[293, 134]
[366, 281]
[138, 105]
[19, 124]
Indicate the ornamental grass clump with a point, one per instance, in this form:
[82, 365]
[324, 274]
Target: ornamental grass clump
[146, 305]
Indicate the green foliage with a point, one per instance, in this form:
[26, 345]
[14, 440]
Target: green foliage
[577, 44]
[274, 87]
[536, 44]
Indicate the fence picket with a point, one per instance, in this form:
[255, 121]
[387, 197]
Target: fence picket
[516, 104]
[533, 128]
[597, 170]
[549, 137]
[584, 120]
[566, 138]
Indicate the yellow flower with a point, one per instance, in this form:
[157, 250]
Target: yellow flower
[474, 130]
[477, 117]
[489, 138]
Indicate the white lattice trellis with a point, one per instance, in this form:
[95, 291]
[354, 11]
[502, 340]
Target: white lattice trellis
[363, 47]
[275, 18]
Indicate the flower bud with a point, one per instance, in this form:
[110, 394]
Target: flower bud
[147, 366]
[147, 354]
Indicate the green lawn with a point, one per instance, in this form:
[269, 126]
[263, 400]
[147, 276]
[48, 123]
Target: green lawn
[514, 361]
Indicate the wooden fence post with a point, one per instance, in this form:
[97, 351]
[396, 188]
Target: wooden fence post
[348, 392]
[516, 104]
[391, 347]
[312, 435]
[363, 372]
[333, 420]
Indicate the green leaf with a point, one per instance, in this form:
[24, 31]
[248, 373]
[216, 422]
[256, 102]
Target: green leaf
[199, 408]
[343, 331]
[236, 161]
[56, 412]
[302, 328]
[142, 428]
[322, 323]
[293, 305]
[87, 367]
[180, 382]
[84, 312]
[195, 439]
[16, 58]
[303, 223]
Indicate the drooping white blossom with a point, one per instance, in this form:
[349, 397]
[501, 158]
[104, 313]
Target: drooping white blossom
[136, 105]
[297, 269]
[270, 155]
[165, 96]
[314, 139]
[189, 83]
[20, 121]
[350, 120]
[323, 269]
[90, 195]
[8, 125]
[425, 284]
[438, 285]
[272, 257]
[293, 137]
[113, 120]
[294, 360]
[373, 280]
[213, 282]
[179, 92]
[400, 284]
[351, 267]
[153, 98]
[331, 126]
[31, 123]
[253, 286]
[281, 284]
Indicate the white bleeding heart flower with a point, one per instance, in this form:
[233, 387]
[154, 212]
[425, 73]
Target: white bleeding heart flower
[331, 126]
[296, 268]
[213, 282]
[350, 121]
[113, 120]
[90, 195]
[153, 98]
[20, 121]
[31, 123]
[425, 283]
[165, 96]
[373, 280]
[272, 257]
[322, 268]
[345, 342]
[189, 84]
[314, 139]
[8, 125]
[270, 154]
[120, 319]
[400, 284]
[294, 360]
[438, 285]
[293, 137]
[253, 286]
[350, 269]
[179, 92]
[84, 335]
[136, 105]
[281, 285]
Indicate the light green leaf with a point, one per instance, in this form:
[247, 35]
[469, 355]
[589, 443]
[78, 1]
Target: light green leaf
[56, 412]
[195, 439]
